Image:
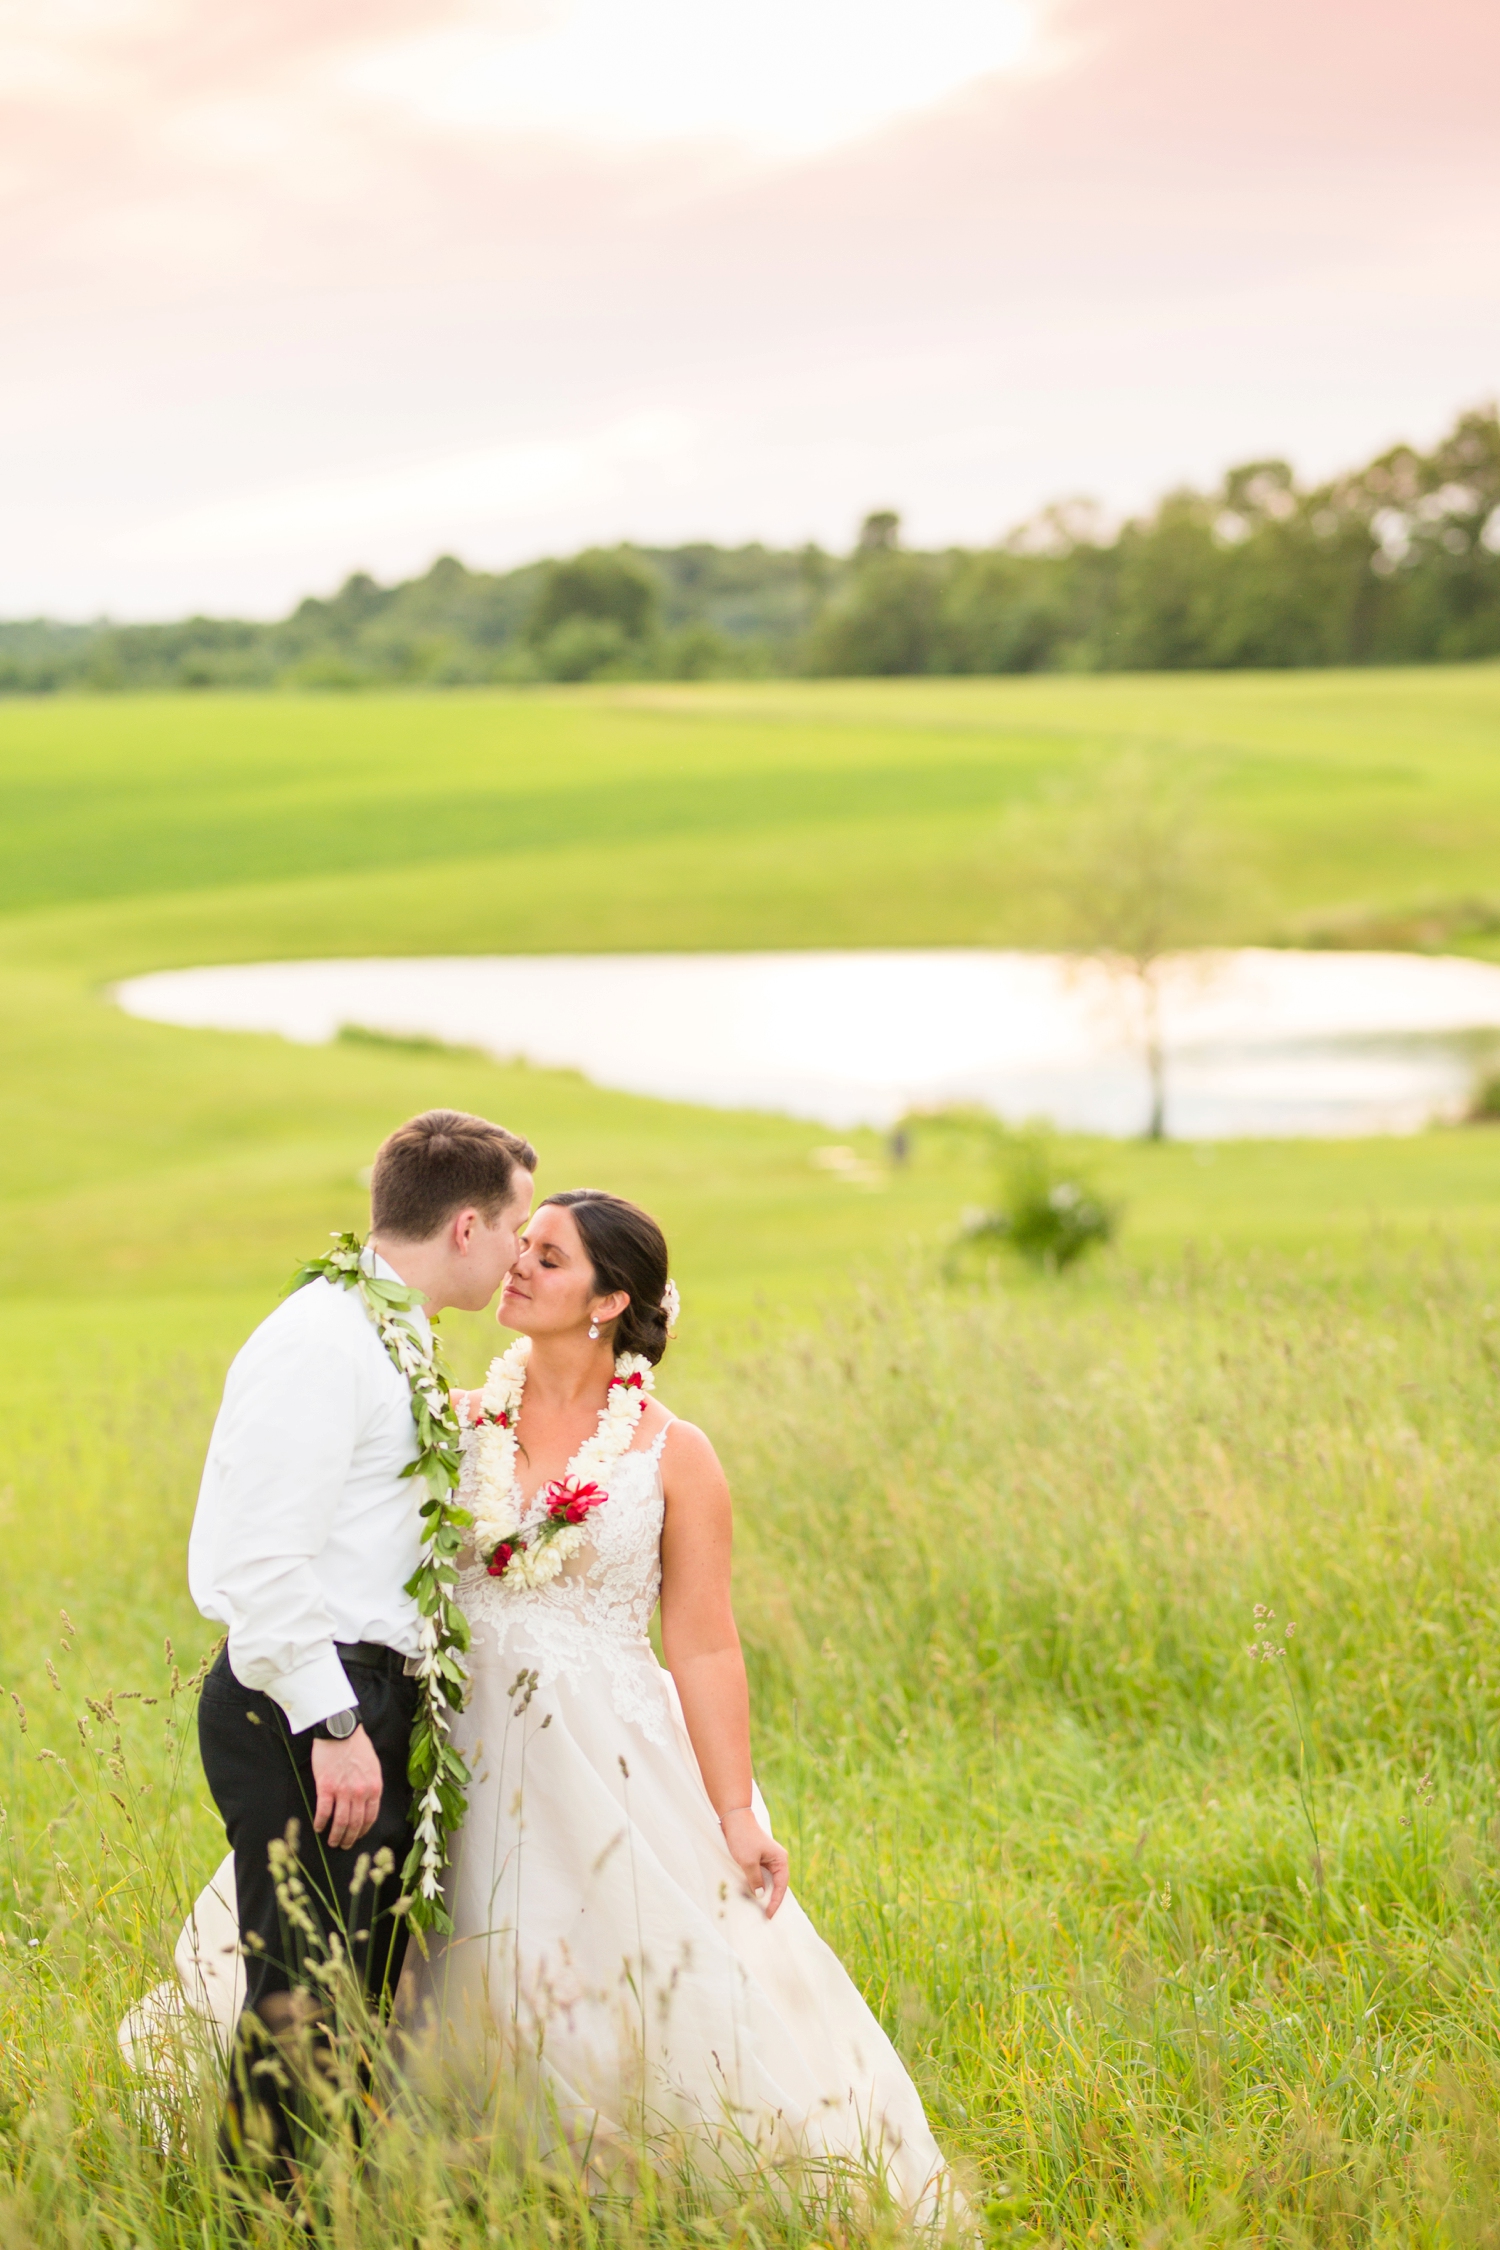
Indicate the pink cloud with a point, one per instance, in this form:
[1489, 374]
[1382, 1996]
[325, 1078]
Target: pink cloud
[1182, 233]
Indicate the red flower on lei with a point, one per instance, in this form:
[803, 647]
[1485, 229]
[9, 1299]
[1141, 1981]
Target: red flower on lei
[566, 1503]
[573, 1501]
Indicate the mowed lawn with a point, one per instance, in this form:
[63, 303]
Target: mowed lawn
[1000, 1547]
[143, 833]
[819, 813]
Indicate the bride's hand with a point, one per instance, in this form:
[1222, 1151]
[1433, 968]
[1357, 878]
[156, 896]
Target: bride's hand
[468, 1404]
[761, 1860]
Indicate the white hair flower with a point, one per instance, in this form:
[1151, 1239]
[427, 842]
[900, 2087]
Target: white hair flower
[671, 1304]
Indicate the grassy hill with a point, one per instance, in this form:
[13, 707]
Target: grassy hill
[145, 833]
[999, 1549]
[779, 809]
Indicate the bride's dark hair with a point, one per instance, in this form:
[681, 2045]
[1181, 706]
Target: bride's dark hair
[628, 1251]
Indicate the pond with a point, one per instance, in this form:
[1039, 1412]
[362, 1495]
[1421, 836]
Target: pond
[1259, 1042]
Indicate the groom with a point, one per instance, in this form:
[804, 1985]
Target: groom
[305, 1536]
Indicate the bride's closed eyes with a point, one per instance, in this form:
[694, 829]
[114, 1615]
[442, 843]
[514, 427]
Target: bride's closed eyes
[546, 1250]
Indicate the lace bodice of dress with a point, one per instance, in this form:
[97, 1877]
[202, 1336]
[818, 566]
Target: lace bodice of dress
[599, 1607]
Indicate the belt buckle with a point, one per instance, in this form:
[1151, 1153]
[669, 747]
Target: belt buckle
[411, 1667]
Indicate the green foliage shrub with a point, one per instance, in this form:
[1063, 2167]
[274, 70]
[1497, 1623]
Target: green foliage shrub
[1051, 1222]
[1045, 1214]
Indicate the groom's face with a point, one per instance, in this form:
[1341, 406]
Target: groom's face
[494, 1244]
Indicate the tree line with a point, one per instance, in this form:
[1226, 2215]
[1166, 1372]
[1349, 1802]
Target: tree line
[1396, 562]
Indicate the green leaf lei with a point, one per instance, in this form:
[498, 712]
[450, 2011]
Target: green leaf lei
[438, 1774]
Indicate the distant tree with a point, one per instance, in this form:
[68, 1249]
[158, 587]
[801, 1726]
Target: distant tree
[880, 532]
[701, 652]
[816, 573]
[1434, 528]
[887, 622]
[604, 585]
[587, 648]
[1136, 880]
[1394, 562]
[1002, 612]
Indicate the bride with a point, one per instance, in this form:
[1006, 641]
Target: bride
[626, 1957]
[627, 1968]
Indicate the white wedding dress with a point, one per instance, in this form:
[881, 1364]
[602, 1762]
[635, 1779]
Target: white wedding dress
[609, 1972]
[611, 1986]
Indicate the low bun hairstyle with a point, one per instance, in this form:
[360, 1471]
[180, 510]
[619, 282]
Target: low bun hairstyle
[627, 1251]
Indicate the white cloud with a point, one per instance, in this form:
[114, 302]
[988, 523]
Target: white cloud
[55, 48]
[788, 74]
[492, 486]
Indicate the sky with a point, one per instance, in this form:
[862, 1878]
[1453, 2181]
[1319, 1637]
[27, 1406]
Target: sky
[298, 287]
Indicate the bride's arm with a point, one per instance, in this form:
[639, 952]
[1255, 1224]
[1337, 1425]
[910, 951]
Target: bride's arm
[702, 1648]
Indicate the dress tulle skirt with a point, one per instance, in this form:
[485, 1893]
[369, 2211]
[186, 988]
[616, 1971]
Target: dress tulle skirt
[611, 1980]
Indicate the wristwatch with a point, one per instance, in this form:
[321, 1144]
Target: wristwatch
[339, 1725]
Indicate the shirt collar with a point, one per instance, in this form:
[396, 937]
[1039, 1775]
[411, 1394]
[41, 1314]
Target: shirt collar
[383, 1270]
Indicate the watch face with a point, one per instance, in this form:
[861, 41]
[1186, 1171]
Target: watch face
[342, 1725]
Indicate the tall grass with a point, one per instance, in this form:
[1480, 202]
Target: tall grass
[1183, 1946]
[1005, 1562]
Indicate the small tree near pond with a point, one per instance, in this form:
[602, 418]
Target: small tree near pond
[1135, 882]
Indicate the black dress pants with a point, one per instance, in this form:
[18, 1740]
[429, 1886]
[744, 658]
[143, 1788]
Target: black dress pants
[295, 1892]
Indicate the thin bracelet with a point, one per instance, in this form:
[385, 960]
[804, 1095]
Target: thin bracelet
[731, 1811]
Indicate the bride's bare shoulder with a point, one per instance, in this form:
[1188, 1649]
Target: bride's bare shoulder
[688, 1451]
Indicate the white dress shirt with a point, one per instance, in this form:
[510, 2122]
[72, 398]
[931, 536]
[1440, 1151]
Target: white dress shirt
[306, 1531]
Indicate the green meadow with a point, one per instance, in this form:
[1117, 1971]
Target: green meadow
[1182, 1947]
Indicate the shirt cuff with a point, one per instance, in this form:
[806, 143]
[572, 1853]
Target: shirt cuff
[313, 1691]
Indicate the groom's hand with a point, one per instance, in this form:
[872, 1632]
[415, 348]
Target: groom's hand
[349, 1784]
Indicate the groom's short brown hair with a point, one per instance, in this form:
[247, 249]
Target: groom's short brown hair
[439, 1163]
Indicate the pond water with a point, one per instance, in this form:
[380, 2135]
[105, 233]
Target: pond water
[1259, 1042]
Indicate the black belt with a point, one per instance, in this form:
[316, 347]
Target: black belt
[375, 1658]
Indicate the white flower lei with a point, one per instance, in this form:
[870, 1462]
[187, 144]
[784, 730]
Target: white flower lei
[536, 1556]
[437, 1772]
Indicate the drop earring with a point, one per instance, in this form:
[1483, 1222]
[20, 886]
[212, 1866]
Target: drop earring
[594, 1331]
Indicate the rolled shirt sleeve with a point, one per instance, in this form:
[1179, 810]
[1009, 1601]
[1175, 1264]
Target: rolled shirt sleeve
[277, 1465]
